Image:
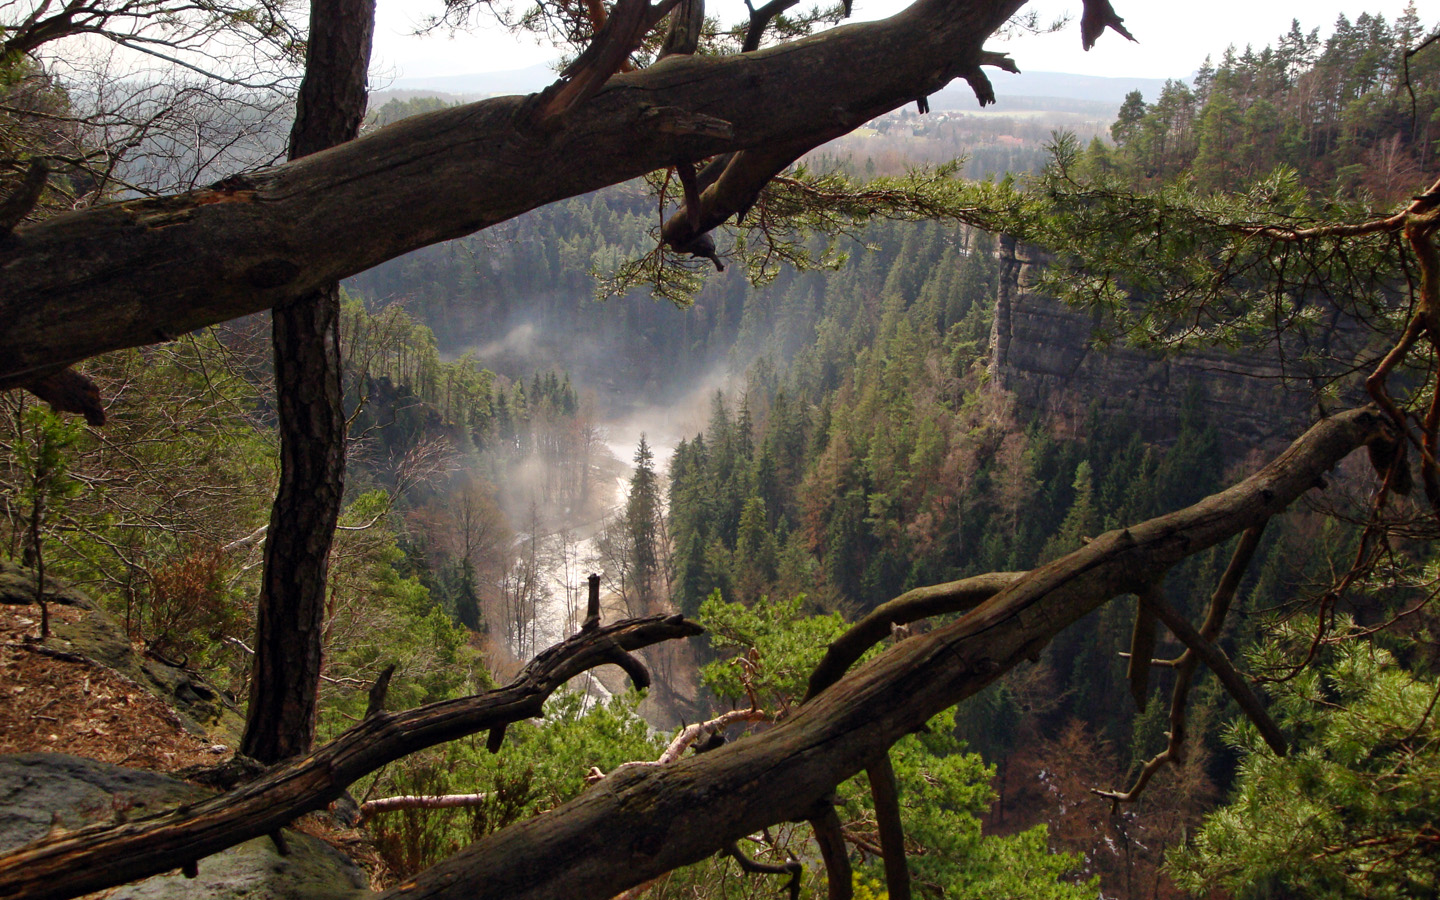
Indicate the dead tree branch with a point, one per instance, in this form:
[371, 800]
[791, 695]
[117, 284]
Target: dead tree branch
[1220, 664]
[691, 733]
[416, 801]
[78, 862]
[641, 822]
[830, 835]
[1142, 646]
[130, 273]
[1185, 664]
[791, 867]
[885, 791]
[911, 606]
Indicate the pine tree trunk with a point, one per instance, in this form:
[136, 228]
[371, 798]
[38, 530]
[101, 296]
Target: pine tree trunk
[285, 678]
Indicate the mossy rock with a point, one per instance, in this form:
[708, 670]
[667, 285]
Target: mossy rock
[201, 708]
[40, 791]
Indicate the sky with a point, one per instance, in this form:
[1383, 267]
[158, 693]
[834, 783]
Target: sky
[1173, 38]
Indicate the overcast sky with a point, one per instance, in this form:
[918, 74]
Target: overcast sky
[1173, 37]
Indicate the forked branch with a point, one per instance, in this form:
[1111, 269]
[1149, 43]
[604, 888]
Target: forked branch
[911, 606]
[1184, 666]
[791, 867]
[1220, 664]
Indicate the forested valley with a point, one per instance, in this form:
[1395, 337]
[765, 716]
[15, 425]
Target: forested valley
[837, 419]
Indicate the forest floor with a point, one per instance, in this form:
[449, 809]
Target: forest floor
[58, 702]
[53, 701]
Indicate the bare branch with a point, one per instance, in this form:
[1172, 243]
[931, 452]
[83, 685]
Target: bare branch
[1220, 664]
[414, 801]
[791, 867]
[911, 606]
[885, 791]
[1219, 607]
[830, 835]
[18, 205]
[1098, 16]
[1142, 645]
[124, 274]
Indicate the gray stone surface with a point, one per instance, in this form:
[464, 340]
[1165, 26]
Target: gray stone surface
[254, 870]
[17, 586]
[39, 791]
[1044, 353]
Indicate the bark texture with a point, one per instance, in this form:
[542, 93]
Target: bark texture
[285, 678]
[133, 273]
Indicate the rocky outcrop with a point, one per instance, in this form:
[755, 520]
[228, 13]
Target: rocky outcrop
[1046, 355]
[201, 708]
[44, 791]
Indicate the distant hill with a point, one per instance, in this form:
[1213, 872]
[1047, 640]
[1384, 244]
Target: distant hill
[1068, 86]
[480, 84]
[1029, 90]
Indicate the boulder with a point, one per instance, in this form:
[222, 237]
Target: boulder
[41, 791]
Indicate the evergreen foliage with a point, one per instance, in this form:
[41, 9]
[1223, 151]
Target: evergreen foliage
[1352, 813]
[1339, 111]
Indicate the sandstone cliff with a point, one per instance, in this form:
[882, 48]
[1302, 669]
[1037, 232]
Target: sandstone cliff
[1045, 353]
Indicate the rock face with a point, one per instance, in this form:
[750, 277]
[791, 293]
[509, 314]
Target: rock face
[1044, 353]
[39, 791]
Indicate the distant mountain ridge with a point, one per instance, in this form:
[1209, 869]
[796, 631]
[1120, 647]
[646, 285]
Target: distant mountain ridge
[1059, 85]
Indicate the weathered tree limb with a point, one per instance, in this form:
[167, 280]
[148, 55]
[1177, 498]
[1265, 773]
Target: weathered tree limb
[689, 734]
[642, 822]
[736, 189]
[420, 801]
[592, 603]
[1220, 664]
[78, 862]
[375, 704]
[1185, 664]
[1142, 646]
[131, 273]
[731, 188]
[639, 823]
[911, 606]
[791, 867]
[17, 206]
[885, 792]
[1098, 16]
[830, 835]
[687, 20]
[621, 33]
[69, 391]
[761, 18]
[684, 740]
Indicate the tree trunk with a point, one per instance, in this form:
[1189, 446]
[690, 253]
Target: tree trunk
[285, 678]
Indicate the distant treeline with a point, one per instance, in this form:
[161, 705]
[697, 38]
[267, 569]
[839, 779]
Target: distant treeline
[1340, 111]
